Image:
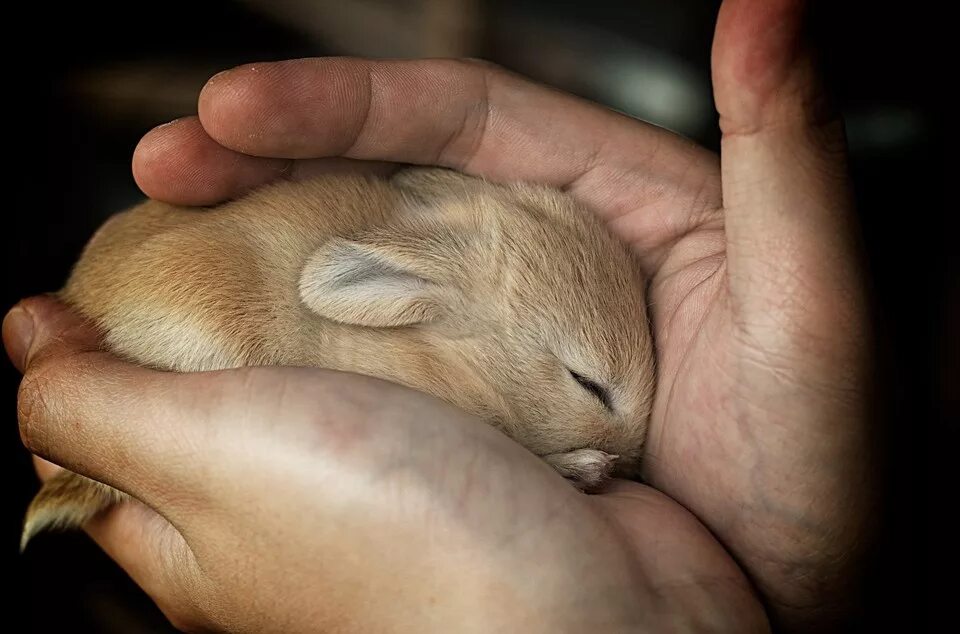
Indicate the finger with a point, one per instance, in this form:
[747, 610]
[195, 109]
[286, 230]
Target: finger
[166, 159]
[155, 556]
[94, 414]
[677, 552]
[20, 330]
[789, 221]
[468, 116]
[146, 546]
[176, 441]
[179, 163]
[797, 295]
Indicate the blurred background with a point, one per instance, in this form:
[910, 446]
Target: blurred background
[86, 80]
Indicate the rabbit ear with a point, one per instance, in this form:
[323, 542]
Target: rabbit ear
[373, 282]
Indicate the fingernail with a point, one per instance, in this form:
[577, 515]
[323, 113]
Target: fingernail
[18, 336]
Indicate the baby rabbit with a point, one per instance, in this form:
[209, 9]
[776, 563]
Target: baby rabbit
[510, 302]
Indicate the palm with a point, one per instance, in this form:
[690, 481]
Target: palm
[742, 407]
[689, 439]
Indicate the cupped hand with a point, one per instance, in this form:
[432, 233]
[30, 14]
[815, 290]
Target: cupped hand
[304, 500]
[761, 423]
[760, 426]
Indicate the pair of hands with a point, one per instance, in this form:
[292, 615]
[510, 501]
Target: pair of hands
[286, 499]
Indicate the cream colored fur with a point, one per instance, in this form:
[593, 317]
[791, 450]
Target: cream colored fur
[486, 296]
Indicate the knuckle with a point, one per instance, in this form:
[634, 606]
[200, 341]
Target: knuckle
[45, 388]
[34, 407]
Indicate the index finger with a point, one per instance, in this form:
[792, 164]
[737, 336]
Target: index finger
[464, 115]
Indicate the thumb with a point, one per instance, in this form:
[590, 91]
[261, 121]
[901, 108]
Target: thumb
[41, 327]
[91, 412]
[791, 232]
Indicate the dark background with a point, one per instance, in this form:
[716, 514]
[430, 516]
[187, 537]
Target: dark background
[84, 83]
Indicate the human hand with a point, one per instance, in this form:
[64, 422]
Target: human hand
[760, 424]
[301, 500]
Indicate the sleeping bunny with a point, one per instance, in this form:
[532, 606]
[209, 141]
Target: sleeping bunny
[508, 301]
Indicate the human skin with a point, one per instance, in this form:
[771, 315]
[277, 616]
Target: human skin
[758, 464]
